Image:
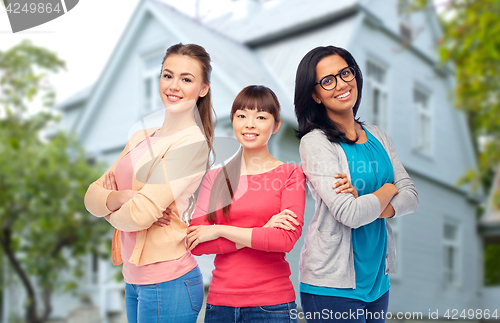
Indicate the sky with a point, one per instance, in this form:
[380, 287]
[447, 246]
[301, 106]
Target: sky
[86, 36]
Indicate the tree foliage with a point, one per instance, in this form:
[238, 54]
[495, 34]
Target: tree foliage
[472, 44]
[44, 227]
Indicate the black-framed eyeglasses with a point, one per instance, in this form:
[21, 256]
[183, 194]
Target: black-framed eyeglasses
[329, 82]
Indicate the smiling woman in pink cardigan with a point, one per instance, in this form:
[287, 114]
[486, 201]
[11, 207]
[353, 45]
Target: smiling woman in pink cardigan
[161, 168]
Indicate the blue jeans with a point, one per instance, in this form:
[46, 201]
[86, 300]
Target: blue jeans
[178, 300]
[319, 309]
[280, 313]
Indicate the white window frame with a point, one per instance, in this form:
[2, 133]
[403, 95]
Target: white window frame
[423, 140]
[149, 74]
[456, 244]
[371, 86]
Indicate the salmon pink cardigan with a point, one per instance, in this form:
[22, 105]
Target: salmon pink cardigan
[164, 178]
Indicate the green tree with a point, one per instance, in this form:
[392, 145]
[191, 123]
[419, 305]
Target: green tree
[471, 43]
[44, 227]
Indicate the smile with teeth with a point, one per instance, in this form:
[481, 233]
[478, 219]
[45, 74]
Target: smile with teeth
[173, 97]
[250, 135]
[343, 95]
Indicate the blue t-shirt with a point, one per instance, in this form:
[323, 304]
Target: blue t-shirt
[370, 169]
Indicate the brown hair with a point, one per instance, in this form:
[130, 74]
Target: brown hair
[253, 97]
[205, 117]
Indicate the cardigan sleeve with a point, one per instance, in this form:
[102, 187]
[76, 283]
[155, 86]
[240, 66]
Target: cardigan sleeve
[321, 162]
[181, 166]
[96, 195]
[293, 197]
[406, 201]
[219, 245]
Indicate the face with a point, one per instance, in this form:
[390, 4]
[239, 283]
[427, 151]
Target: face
[253, 129]
[343, 97]
[181, 82]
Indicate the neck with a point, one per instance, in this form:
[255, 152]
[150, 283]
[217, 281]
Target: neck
[345, 122]
[175, 122]
[257, 160]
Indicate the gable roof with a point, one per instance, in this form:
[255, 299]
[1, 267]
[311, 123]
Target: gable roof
[234, 64]
[285, 18]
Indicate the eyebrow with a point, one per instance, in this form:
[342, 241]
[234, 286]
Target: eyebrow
[182, 74]
[334, 73]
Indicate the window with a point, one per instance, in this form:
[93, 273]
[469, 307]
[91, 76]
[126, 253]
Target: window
[423, 121]
[151, 81]
[404, 12]
[405, 32]
[451, 254]
[376, 90]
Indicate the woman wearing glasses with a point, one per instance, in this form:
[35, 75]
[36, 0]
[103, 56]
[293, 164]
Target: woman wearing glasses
[349, 248]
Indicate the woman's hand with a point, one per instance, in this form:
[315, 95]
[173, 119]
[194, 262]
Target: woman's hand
[110, 182]
[116, 198]
[165, 219]
[283, 220]
[345, 186]
[201, 233]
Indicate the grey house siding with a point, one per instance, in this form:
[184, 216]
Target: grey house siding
[421, 285]
[244, 55]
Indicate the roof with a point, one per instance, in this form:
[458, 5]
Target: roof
[294, 15]
[233, 62]
[75, 99]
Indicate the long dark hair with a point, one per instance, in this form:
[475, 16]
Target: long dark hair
[225, 184]
[205, 118]
[309, 113]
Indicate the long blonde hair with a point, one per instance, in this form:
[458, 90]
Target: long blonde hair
[205, 117]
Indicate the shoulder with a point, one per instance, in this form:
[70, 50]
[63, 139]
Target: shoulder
[189, 135]
[376, 131]
[315, 145]
[313, 135]
[289, 170]
[380, 134]
[139, 136]
[212, 174]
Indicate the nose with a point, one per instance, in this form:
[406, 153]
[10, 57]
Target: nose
[340, 83]
[174, 85]
[250, 123]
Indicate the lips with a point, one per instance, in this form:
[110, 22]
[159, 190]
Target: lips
[344, 96]
[250, 135]
[173, 97]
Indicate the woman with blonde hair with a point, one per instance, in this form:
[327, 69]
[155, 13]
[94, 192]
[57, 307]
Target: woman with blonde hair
[161, 168]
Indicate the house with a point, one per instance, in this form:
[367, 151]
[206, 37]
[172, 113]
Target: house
[489, 228]
[406, 92]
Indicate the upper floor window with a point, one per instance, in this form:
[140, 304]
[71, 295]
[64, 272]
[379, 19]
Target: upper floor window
[151, 100]
[376, 91]
[404, 12]
[423, 121]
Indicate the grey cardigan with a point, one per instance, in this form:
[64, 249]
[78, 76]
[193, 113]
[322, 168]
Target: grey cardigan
[327, 258]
